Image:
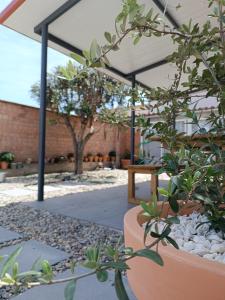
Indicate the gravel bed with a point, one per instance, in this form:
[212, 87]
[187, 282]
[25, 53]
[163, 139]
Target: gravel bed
[64, 233]
[198, 240]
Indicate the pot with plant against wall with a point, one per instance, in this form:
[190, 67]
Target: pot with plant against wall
[125, 160]
[100, 156]
[96, 158]
[105, 158]
[112, 155]
[90, 157]
[5, 159]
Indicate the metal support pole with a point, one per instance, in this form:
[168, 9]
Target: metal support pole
[42, 114]
[132, 133]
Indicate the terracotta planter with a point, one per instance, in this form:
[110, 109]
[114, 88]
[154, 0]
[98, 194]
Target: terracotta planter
[91, 158]
[96, 159]
[4, 165]
[86, 159]
[105, 158]
[125, 163]
[184, 275]
[100, 158]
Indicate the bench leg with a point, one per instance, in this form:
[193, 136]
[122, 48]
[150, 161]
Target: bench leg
[154, 185]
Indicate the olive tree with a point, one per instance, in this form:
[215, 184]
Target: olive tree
[85, 93]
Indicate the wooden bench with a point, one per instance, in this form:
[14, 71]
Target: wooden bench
[142, 169]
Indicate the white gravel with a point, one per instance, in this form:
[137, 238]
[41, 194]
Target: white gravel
[201, 240]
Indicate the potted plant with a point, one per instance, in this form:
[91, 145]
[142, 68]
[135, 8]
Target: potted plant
[85, 159]
[70, 157]
[125, 160]
[100, 156]
[112, 155]
[6, 158]
[96, 158]
[105, 158]
[90, 157]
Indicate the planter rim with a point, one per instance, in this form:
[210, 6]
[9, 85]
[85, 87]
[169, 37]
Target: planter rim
[180, 256]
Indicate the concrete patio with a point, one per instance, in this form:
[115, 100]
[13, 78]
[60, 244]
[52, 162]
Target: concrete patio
[105, 207]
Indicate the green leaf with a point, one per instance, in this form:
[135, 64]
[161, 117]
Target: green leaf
[93, 49]
[172, 242]
[70, 290]
[15, 270]
[173, 220]
[28, 274]
[173, 204]
[90, 264]
[119, 286]
[10, 261]
[163, 192]
[137, 39]
[47, 270]
[150, 254]
[108, 37]
[102, 275]
[78, 58]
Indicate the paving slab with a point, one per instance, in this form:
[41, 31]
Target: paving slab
[33, 250]
[87, 289]
[8, 235]
[105, 206]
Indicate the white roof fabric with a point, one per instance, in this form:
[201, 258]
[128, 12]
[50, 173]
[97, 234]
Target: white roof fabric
[89, 19]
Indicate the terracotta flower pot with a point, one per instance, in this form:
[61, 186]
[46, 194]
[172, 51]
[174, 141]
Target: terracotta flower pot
[184, 275]
[125, 163]
[86, 159]
[91, 158]
[100, 158]
[105, 158]
[96, 159]
[4, 165]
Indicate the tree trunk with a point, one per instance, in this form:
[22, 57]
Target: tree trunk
[79, 156]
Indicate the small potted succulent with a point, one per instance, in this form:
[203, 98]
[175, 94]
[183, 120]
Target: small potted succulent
[90, 157]
[112, 155]
[125, 160]
[100, 156]
[6, 158]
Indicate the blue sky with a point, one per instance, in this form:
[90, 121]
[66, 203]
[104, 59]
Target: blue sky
[20, 64]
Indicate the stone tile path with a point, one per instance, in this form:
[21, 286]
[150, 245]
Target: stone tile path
[7, 235]
[87, 289]
[33, 250]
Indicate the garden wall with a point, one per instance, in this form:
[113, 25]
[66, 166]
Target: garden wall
[19, 131]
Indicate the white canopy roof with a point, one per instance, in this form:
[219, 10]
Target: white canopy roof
[88, 19]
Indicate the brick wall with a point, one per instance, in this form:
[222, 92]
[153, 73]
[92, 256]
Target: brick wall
[19, 130]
